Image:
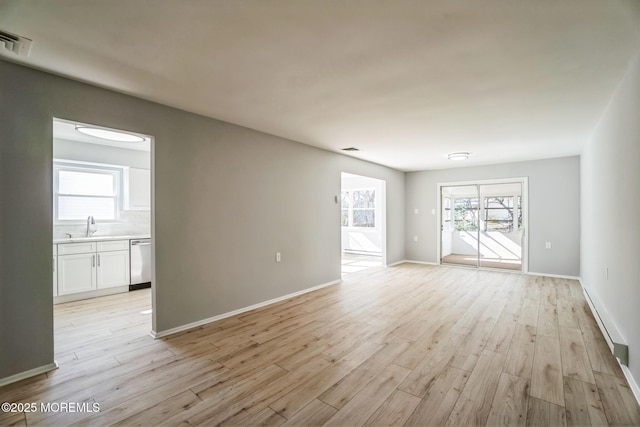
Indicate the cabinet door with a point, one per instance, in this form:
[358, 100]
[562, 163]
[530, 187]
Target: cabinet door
[76, 273]
[139, 189]
[113, 269]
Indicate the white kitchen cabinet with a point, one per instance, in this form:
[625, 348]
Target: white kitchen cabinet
[90, 266]
[76, 273]
[138, 189]
[113, 269]
[76, 248]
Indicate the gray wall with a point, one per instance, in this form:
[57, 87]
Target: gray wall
[554, 210]
[226, 199]
[610, 206]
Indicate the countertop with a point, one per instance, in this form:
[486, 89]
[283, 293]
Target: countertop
[100, 238]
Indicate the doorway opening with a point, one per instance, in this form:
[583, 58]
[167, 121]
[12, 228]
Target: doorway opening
[102, 237]
[362, 223]
[483, 224]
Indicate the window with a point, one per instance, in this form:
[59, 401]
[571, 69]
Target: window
[466, 214]
[359, 208]
[86, 190]
[446, 214]
[345, 209]
[498, 214]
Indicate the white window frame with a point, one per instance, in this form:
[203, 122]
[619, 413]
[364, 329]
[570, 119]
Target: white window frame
[67, 165]
[524, 229]
[351, 209]
[516, 210]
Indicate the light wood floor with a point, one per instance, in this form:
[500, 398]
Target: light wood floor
[355, 263]
[407, 345]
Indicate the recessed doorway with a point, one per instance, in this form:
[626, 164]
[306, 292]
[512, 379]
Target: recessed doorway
[102, 237]
[362, 223]
[483, 224]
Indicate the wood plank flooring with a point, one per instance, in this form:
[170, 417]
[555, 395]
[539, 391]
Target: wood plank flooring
[408, 345]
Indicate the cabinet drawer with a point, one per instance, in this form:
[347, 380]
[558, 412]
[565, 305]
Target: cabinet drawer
[76, 248]
[113, 245]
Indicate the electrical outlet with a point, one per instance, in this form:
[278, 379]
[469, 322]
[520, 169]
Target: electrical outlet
[433, 211]
[415, 238]
[548, 245]
[415, 211]
[278, 257]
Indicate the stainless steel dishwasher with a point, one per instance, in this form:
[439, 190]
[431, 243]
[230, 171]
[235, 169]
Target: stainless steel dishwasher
[140, 268]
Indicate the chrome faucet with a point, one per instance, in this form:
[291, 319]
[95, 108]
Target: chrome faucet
[90, 221]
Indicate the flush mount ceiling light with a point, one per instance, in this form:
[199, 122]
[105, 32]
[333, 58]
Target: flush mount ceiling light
[458, 156]
[350, 149]
[111, 135]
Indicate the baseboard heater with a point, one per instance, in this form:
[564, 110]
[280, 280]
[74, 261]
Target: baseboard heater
[619, 350]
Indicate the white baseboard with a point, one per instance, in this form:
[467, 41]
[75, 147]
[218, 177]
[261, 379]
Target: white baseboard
[411, 261]
[632, 382]
[28, 374]
[593, 301]
[192, 325]
[559, 276]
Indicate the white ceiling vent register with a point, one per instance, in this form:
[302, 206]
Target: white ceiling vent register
[13, 43]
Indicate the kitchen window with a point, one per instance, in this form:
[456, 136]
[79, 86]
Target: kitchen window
[86, 190]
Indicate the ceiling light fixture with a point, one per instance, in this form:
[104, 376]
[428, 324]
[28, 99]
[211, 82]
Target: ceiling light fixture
[350, 149]
[111, 135]
[458, 156]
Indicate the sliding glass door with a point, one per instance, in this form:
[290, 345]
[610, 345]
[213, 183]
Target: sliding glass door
[501, 226]
[460, 225]
[482, 225]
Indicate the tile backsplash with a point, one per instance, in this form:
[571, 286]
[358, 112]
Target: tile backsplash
[130, 223]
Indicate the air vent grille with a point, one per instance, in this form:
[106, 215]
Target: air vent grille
[15, 44]
[350, 149]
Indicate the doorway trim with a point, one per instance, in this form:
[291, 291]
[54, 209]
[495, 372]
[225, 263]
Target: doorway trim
[524, 181]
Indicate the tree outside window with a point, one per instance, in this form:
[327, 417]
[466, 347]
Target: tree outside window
[344, 217]
[358, 208]
[466, 213]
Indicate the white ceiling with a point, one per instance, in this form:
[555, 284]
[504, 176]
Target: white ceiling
[405, 81]
[64, 129]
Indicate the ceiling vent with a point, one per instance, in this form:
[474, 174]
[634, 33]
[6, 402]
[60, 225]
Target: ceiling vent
[18, 45]
[350, 149]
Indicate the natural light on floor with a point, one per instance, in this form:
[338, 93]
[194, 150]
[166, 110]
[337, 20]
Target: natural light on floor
[353, 263]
